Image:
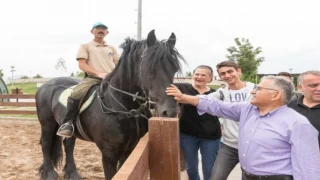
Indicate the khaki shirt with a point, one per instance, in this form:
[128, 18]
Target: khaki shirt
[101, 57]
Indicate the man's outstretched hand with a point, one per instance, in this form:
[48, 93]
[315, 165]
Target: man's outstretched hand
[181, 98]
[175, 92]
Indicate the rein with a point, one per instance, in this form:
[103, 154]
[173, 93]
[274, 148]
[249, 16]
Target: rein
[129, 113]
[136, 113]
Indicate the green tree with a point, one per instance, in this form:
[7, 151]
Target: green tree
[72, 74]
[1, 73]
[188, 74]
[246, 56]
[80, 74]
[37, 76]
[61, 65]
[24, 77]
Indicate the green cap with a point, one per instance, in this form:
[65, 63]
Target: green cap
[99, 24]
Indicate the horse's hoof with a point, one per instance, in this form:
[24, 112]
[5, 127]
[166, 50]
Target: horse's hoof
[72, 176]
[50, 175]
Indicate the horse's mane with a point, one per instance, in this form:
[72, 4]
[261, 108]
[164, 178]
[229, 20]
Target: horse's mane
[162, 55]
[159, 55]
[132, 50]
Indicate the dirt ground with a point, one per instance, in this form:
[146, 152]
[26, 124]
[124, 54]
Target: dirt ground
[21, 155]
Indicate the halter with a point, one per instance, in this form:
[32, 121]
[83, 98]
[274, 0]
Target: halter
[129, 113]
[136, 113]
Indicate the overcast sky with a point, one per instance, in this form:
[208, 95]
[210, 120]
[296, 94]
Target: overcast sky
[36, 33]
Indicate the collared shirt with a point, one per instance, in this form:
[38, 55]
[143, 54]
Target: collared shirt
[100, 57]
[312, 113]
[280, 142]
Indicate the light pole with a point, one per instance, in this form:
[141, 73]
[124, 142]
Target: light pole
[139, 24]
[12, 70]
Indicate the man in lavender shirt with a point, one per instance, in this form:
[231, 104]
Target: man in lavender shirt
[275, 142]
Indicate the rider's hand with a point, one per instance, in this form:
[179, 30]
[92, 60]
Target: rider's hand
[102, 75]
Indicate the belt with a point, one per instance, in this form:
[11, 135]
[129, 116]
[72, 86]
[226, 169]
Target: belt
[249, 176]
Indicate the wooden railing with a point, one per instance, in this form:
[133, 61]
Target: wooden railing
[16, 97]
[157, 154]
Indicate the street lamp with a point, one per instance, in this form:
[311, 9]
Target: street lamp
[12, 70]
[139, 22]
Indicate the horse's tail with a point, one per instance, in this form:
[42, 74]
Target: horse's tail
[56, 149]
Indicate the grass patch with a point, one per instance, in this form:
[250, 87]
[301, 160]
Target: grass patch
[214, 86]
[31, 88]
[28, 88]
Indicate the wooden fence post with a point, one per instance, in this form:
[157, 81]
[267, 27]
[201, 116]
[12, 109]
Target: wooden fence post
[164, 145]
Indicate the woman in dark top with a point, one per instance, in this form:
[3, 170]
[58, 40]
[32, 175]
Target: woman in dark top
[198, 132]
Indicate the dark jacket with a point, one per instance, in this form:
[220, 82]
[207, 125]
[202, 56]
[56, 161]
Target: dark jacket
[204, 126]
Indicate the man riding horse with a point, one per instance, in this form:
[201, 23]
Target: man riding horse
[97, 59]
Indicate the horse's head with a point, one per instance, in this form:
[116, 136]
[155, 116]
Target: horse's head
[159, 64]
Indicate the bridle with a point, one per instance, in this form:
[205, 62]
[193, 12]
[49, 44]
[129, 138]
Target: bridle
[129, 113]
[135, 113]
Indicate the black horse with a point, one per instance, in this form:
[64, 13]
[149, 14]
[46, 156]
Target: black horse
[118, 116]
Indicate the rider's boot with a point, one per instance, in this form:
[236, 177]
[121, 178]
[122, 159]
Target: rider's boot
[67, 129]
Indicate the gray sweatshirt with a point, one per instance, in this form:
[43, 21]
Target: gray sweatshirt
[231, 128]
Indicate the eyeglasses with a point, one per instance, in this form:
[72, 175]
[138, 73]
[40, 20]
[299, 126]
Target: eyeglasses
[258, 88]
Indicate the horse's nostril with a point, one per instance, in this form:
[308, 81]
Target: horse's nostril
[169, 113]
[164, 113]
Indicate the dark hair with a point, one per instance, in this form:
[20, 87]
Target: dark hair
[227, 64]
[204, 67]
[284, 74]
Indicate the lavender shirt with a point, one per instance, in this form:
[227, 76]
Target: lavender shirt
[280, 142]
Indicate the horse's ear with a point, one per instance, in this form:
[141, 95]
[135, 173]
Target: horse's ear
[151, 39]
[172, 39]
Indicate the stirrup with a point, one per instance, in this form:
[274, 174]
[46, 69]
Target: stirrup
[63, 125]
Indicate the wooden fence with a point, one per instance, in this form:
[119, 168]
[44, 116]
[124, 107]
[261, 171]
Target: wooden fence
[9, 106]
[156, 155]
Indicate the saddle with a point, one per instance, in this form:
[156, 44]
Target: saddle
[88, 100]
[85, 105]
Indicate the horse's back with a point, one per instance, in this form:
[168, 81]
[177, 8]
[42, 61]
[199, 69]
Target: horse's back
[55, 85]
[48, 94]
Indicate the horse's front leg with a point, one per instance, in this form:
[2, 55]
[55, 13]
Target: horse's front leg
[70, 166]
[110, 162]
[123, 158]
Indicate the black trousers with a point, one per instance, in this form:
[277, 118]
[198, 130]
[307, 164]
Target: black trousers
[249, 176]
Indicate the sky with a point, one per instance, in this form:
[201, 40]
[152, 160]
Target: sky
[34, 34]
